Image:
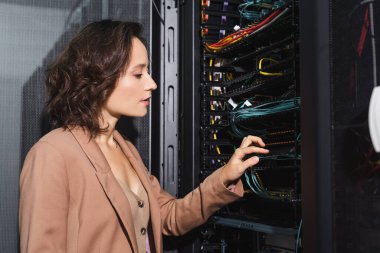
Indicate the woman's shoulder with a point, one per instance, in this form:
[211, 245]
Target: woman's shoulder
[59, 139]
[57, 144]
[58, 136]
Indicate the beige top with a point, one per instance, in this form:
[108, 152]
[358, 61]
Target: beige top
[70, 201]
[140, 212]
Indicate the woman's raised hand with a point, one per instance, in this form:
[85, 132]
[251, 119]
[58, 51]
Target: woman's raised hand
[236, 166]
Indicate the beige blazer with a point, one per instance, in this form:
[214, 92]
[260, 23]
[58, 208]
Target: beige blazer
[71, 202]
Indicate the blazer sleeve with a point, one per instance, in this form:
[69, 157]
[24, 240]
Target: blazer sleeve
[44, 198]
[179, 216]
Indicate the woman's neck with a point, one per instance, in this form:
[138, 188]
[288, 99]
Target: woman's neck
[108, 123]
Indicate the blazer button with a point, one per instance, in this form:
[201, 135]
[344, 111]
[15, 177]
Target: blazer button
[143, 231]
[140, 203]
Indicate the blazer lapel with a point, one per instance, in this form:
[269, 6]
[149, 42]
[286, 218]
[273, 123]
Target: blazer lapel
[141, 171]
[110, 186]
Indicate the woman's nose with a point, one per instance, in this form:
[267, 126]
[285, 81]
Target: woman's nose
[152, 84]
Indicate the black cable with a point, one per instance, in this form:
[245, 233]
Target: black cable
[158, 12]
[373, 41]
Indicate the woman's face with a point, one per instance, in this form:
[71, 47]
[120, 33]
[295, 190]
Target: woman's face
[134, 87]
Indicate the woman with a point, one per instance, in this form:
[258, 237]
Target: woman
[83, 187]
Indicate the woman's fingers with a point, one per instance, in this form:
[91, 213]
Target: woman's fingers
[241, 152]
[250, 162]
[237, 165]
[248, 140]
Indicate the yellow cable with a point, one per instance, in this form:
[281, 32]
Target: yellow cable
[259, 179]
[268, 73]
[227, 39]
[209, 73]
[279, 143]
[281, 132]
[229, 76]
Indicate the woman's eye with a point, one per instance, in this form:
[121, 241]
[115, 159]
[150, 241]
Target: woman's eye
[138, 76]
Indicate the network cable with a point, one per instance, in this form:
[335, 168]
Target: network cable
[268, 73]
[257, 9]
[261, 110]
[298, 241]
[246, 32]
[256, 185]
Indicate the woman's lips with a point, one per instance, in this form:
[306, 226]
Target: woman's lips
[146, 101]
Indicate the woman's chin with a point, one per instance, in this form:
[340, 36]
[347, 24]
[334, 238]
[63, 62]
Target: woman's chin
[138, 114]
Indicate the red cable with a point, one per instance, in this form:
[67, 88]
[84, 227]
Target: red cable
[241, 33]
[363, 34]
[250, 29]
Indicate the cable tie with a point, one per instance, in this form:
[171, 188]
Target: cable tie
[223, 20]
[232, 103]
[225, 5]
[247, 103]
[222, 33]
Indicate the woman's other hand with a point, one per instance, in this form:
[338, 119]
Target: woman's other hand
[236, 166]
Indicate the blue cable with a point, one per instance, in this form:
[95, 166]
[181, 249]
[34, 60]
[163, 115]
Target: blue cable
[265, 109]
[298, 236]
[262, 8]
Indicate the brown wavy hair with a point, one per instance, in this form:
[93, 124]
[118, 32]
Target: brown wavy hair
[81, 79]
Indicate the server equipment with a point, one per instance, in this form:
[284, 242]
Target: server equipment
[299, 74]
[250, 86]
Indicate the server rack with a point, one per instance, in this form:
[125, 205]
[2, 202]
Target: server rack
[334, 88]
[250, 85]
[231, 80]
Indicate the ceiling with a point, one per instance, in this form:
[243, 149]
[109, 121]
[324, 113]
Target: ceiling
[57, 4]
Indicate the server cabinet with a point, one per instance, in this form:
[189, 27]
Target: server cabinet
[338, 73]
[326, 48]
[265, 219]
